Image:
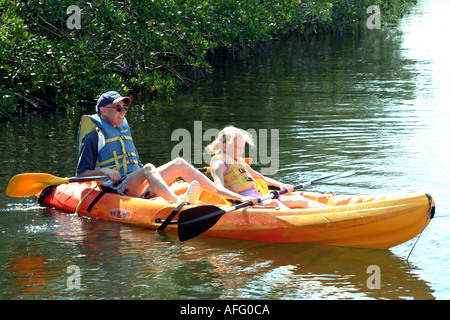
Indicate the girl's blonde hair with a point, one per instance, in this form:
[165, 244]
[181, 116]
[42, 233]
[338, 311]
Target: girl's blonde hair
[227, 135]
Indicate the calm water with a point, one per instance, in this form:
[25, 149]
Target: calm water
[375, 103]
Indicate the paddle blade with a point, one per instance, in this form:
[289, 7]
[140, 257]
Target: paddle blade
[194, 221]
[29, 184]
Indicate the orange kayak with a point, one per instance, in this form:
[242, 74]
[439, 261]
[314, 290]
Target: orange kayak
[378, 221]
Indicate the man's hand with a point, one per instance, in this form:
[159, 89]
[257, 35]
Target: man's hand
[114, 175]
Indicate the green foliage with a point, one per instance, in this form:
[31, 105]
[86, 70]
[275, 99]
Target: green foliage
[144, 46]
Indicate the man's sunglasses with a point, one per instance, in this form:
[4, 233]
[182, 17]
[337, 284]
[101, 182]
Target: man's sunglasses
[119, 108]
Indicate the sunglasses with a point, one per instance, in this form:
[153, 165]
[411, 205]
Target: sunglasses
[119, 108]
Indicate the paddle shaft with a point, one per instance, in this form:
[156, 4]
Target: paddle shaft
[275, 194]
[84, 179]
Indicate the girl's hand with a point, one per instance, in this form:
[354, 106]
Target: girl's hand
[252, 199]
[288, 187]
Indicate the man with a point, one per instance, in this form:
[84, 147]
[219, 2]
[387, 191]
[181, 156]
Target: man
[106, 148]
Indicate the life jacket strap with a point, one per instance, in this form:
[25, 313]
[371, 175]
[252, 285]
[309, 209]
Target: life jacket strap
[116, 159]
[117, 165]
[239, 178]
[118, 138]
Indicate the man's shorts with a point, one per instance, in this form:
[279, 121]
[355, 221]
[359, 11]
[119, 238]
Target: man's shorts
[119, 186]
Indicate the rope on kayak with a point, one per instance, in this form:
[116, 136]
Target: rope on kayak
[84, 197]
[431, 211]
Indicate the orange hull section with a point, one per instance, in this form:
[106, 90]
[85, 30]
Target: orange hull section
[379, 222]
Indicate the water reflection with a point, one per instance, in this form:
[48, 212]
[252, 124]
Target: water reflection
[28, 274]
[123, 262]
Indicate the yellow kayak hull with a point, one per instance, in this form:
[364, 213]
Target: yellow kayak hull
[379, 222]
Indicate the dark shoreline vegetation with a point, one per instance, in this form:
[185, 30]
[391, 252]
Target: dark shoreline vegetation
[146, 48]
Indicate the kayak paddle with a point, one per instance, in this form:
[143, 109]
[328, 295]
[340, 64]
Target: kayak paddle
[194, 221]
[28, 184]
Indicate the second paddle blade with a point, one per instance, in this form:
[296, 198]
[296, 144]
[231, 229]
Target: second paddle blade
[194, 221]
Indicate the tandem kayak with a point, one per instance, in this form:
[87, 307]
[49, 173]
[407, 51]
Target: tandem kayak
[376, 221]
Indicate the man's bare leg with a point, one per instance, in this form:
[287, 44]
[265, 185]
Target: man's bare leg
[139, 180]
[179, 168]
[159, 178]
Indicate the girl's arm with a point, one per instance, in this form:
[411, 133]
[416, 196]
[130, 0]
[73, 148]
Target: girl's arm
[270, 181]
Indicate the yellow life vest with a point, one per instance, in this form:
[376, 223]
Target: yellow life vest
[119, 152]
[236, 178]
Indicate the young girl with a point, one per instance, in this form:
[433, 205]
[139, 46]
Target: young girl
[235, 179]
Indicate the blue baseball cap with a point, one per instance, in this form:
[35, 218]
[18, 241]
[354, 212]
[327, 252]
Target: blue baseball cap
[111, 97]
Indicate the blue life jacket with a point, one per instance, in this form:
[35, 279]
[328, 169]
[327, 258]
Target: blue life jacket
[119, 152]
